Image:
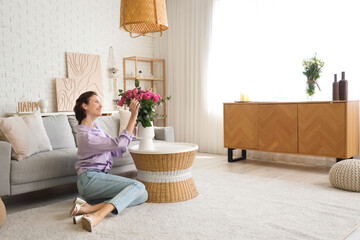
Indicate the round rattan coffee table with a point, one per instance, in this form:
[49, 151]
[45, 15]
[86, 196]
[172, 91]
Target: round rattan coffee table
[166, 171]
[2, 212]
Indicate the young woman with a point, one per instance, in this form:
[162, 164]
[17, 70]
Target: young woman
[95, 152]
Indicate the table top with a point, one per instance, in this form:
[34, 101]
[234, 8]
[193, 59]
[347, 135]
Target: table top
[165, 148]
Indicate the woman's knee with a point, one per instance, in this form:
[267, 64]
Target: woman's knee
[139, 185]
[144, 196]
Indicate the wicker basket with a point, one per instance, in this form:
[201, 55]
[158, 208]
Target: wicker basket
[167, 177]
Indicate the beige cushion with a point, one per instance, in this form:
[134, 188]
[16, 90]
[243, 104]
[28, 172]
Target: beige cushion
[3, 137]
[26, 134]
[346, 175]
[18, 134]
[36, 126]
[109, 124]
[124, 119]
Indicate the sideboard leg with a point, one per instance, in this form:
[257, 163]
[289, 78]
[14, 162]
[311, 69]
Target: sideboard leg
[340, 159]
[230, 155]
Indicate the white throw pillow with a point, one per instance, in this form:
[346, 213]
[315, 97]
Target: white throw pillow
[36, 127]
[18, 134]
[124, 119]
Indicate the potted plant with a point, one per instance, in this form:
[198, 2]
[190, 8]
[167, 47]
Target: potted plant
[312, 69]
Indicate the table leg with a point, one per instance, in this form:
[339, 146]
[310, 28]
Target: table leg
[230, 155]
[340, 159]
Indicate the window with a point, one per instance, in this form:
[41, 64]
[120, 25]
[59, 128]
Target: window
[258, 46]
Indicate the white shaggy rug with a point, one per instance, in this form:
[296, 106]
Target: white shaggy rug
[229, 206]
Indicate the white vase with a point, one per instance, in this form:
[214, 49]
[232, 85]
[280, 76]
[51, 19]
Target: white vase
[146, 137]
[43, 104]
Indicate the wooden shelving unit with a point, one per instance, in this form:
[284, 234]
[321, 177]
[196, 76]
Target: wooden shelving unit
[151, 61]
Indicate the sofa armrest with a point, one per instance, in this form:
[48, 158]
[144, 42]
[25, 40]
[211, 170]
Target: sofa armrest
[5, 160]
[164, 133]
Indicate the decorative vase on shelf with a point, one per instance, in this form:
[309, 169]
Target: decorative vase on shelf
[335, 89]
[343, 87]
[146, 137]
[43, 104]
[312, 69]
[310, 90]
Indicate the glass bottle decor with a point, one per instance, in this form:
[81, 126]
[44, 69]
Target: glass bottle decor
[343, 87]
[335, 89]
[310, 90]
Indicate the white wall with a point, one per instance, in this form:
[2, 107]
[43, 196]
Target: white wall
[35, 34]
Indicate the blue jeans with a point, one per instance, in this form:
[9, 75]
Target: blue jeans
[96, 186]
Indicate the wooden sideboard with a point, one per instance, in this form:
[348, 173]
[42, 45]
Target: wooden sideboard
[328, 129]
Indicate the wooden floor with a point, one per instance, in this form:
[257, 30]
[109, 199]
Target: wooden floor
[301, 174]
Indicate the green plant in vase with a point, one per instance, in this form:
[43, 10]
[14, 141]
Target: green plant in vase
[148, 102]
[312, 69]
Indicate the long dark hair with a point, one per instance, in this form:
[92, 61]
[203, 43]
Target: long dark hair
[80, 113]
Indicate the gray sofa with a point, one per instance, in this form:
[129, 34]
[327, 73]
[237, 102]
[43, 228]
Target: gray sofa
[57, 167]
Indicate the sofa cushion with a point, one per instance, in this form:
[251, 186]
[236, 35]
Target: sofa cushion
[109, 124]
[59, 131]
[73, 123]
[124, 119]
[19, 135]
[44, 165]
[36, 126]
[3, 137]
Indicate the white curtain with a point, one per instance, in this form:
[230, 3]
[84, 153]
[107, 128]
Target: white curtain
[185, 47]
[217, 49]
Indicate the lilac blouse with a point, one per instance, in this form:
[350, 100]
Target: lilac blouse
[96, 149]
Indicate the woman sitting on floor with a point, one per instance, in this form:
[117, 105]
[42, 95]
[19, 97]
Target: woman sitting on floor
[96, 149]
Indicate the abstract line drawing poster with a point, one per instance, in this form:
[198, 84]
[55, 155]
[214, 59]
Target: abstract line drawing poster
[65, 94]
[84, 74]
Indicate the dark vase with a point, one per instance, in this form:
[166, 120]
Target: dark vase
[335, 89]
[343, 87]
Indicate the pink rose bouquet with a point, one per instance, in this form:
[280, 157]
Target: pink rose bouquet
[148, 102]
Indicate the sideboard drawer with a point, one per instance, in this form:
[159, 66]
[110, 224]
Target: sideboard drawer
[241, 126]
[322, 129]
[278, 128]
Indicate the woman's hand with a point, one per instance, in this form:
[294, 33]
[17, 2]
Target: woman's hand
[134, 107]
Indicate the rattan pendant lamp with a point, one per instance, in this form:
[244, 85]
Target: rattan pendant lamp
[143, 16]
